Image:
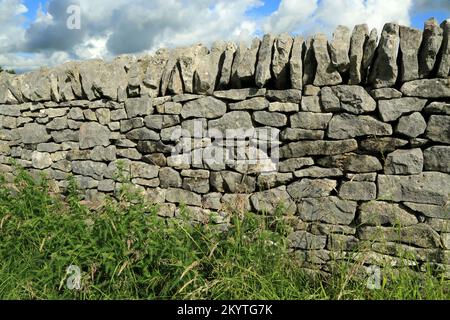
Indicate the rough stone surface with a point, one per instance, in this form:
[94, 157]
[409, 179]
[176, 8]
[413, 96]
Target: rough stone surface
[296, 63]
[326, 73]
[358, 190]
[404, 162]
[262, 72]
[343, 126]
[427, 188]
[410, 41]
[412, 125]
[207, 107]
[315, 148]
[339, 49]
[391, 110]
[274, 199]
[427, 88]
[432, 40]
[380, 213]
[437, 158]
[385, 70]
[309, 188]
[327, 209]
[359, 37]
[306, 240]
[438, 129]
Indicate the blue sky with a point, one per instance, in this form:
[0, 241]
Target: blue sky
[112, 27]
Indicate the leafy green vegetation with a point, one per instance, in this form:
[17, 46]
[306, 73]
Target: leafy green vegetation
[126, 251]
[8, 71]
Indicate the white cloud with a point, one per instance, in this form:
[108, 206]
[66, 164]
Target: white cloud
[110, 28]
[309, 16]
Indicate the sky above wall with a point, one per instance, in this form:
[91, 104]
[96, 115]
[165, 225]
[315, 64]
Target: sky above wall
[34, 33]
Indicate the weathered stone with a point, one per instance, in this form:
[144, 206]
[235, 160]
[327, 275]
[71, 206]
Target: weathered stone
[354, 99]
[295, 134]
[309, 62]
[281, 58]
[427, 88]
[339, 48]
[438, 108]
[239, 94]
[385, 93]
[313, 148]
[234, 120]
[207, 107]
[48, 147]
[438, 129]
[318, 172]
[137, 107]
[310, 90]
[385, 70]
[198, 185]
[310, 120]
[129, 124]
[92, 134]
[404, 162]
[262, 72]
[437, 158]
[351, 162]
[382, 145]
[129, 153]
[343, 126]
[289, 95]
[92, 169]
[432, 40]
[185, 97]
[391, 110]
[430, 210]
[237, 183]
[309, 188]
[380, 213]
[358, 38]
[244, 63]
[439, 225]
[328, 210]
[90, 115]
[420, 235]
[58, 124]
[160, 121]
[358, 190]
[143, 170]
[340, 242]
[412, 125]
[270, 201]
[296, 63]
[330, 102]
[269, 180]
[142, 134]
[306, 241]
[33, 133]
[370, 48]
[294, 164]
[41, 160]
[427, 187]
[311, 103]
[169, 178]
[326, 73]
[106, 185]
[284, 107]
[410, 40]
[371, 177]
[157, 159]
[236, 203]
[225, 72]
[258, 103]
[183, 196]
[443, 60]
[272, 119]
[100, 153]
[207, 72]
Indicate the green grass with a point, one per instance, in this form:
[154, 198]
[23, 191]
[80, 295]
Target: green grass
[126, 251]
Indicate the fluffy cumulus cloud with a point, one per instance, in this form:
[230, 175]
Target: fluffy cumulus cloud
[310, 16]
[110, 28]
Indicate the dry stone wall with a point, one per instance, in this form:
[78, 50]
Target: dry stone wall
[349, 138]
